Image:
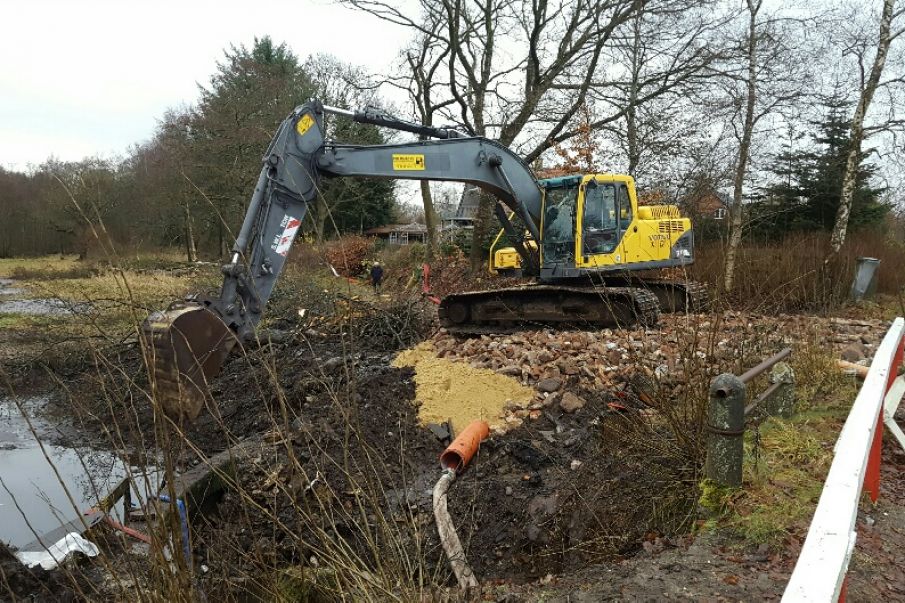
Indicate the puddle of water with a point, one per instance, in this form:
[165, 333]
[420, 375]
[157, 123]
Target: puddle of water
[34, 307]
[33, 488]
[7, 287]
[45, 307]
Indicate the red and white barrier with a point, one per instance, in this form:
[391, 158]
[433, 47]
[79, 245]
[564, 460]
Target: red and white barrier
[820, 571]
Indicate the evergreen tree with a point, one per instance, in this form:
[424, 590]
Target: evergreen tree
[236, 117]
[251, 93]
[805, 193]
[354, 204]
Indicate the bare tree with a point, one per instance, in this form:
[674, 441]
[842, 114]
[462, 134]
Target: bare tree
[424, 63]
[868, 88]
[344, 85]
[767, 79]
[519, 71]
[655, 66]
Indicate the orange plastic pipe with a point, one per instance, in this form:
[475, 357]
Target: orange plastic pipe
[457, 454]
[426, 278]
[127, 530]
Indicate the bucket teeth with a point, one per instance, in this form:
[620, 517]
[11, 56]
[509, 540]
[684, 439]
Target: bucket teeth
[187, 347]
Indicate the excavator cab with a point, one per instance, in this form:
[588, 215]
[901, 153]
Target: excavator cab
[592, 225]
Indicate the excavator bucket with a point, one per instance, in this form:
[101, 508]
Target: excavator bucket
[187, 347]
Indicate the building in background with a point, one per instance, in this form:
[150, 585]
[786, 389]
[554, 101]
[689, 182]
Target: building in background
[400, 234]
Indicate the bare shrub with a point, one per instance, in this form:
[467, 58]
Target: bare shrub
[350, 254]
[790, 274]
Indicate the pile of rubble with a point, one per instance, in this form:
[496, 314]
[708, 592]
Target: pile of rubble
[561, 364]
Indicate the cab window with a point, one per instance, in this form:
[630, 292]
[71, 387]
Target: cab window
[600, 219]
[559, 224]
[625, 207]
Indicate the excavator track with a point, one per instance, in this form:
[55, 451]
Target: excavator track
[673, 295]
[500, 310]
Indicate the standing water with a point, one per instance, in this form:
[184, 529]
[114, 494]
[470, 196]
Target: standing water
[9, 304]
[42, 488]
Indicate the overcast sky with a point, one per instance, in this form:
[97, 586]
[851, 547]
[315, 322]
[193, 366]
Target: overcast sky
[89, 77]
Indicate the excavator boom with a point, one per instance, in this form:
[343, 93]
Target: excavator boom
[188, 344]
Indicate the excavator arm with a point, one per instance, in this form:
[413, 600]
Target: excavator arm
[188, 344]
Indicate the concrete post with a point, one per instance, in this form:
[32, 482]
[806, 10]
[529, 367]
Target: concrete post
[726, 426]
[782, 403]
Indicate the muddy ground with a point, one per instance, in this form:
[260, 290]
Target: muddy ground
[596, 498]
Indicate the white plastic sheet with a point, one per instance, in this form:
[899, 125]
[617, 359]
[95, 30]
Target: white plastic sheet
[58, 551]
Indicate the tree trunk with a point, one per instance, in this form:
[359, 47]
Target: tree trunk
[430, 220]
[191, 253]
[481, 227]
[735, 225]
[850, 175]
[320, 219]
[631, 115]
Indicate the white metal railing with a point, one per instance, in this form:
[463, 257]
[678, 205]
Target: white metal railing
[819, 573]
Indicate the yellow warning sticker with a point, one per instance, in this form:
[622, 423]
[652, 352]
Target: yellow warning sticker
[408, 162]
[304, 124]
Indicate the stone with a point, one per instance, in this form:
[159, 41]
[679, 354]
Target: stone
[570, 402]
[332, 364]
[853, 353]
[548, 385]
[440, 431]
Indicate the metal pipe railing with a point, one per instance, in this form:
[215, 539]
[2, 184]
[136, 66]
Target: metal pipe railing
[763, 366]
[727, 413]
[765, 395]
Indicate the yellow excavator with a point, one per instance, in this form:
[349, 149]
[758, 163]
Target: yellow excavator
[594, 243]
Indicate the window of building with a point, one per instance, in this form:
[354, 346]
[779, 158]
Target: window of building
[720, 213]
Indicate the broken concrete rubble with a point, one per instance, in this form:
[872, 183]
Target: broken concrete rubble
[570, 402]
[637, 362]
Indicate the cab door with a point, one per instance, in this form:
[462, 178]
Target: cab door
[606, 216]
[626, 221]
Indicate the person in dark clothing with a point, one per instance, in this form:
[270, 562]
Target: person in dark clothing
[376, 276]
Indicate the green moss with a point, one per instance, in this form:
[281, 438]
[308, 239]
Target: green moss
[784, 472]
[714, 497]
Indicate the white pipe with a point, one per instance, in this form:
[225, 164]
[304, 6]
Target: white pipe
[452, 546]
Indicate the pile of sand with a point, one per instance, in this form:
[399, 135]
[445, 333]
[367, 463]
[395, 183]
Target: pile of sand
[455, 391]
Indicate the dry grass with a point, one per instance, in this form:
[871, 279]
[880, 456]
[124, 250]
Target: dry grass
[388, 559]
[385, 560]
[790, 275]
[9, 267]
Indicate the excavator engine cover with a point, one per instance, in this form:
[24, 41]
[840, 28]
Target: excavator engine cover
[187, 346]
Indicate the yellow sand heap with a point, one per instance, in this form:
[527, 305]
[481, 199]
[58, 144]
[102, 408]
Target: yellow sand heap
[456, 391]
